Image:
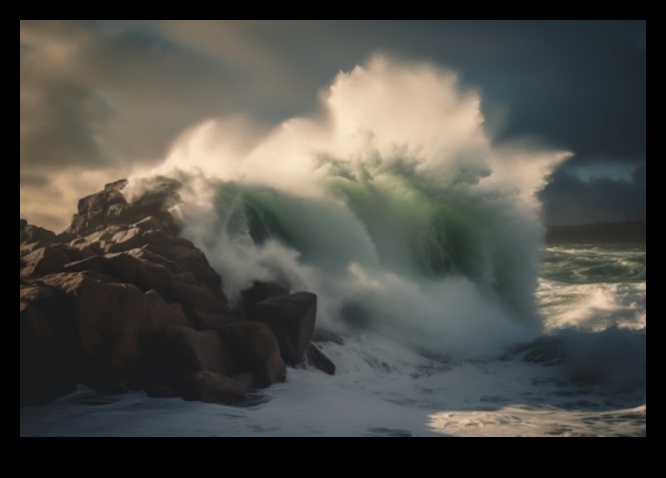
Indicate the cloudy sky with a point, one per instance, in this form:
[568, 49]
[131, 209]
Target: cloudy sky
[99, 98]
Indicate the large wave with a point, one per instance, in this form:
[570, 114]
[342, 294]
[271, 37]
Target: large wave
[394, 205]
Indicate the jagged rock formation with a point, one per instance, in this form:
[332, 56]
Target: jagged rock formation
[119, 301]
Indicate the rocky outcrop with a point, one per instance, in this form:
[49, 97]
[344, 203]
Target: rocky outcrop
[90, 327]
[119, 301]
[110, 207]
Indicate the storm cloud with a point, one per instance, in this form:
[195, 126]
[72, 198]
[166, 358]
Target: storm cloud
[569, 199]
[98, 99]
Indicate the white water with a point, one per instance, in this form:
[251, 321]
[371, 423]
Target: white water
[394, 206]
[421, 237]
[589, 383]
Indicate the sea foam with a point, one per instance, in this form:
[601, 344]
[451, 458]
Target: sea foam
[393, 204]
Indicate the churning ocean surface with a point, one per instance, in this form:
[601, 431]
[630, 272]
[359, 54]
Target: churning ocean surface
[420, 233]
[584, 376]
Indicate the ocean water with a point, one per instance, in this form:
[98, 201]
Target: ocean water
[421, 235]
[584, 375]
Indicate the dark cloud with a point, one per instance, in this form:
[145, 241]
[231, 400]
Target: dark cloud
[33, 180]
[96, 94]
[61, 124]
[569, 199]
[579, 84]
[100, 95]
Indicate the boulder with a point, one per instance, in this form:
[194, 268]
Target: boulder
[81, 327]
[174, 352]
[158, 390]
[31, 234]
[291, 318]
[314, 357]
[211, 387]
[145, 254]
[122, 267]
[110, 206]
[155, 197]
[197, 296]
[50, 358]
[205, 321]
[153, 276]
[48, 260]
[109, 319]
[159, 313]
[255, 350]
[323, 335]
[126, 239]
[190, 259]
[260, 291]
[96, 212]
[247, 379]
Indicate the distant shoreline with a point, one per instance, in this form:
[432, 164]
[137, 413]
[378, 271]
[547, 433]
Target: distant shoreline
[629, 232]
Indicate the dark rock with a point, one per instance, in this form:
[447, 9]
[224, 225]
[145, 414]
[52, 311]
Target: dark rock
[110, 319]
[153, 276]
[30, 234]
[256, 350]
[291, 318]
[79, 327]
[110, 206]
[185, 278]
[191, 259]
[205, 321]
[119, 266]
[260, 291]
[247, 379]
[159, 313]
[323, 336]
[211, 387]
[119, 301]
[93, 210]
[145, 254]
[316, 358]
[201, 297]
[174, 352]
[48, 260]
[49, 348]
[156, 390]
[126, 239]
[154, 271]
[64, 237]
